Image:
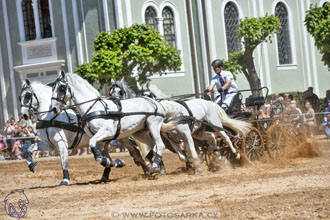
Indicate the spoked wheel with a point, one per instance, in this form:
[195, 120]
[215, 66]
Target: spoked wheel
[253, 145]
[205, 153]
[275, 141]
[225, 151]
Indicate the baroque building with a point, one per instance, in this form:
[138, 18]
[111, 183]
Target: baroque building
[41, 37]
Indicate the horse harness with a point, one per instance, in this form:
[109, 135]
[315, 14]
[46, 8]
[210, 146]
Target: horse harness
[115, 115]
[41, 124]
[74, 127]
[190, 120]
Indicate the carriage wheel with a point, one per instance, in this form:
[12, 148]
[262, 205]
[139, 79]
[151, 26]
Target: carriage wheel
[275, 141]
[225, 150]
[253, 145]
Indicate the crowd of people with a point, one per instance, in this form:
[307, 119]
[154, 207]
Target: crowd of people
[17, 137]
[303, 116]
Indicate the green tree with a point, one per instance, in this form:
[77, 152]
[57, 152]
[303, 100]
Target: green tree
[139, 49]
[252, 31]
[317, 21]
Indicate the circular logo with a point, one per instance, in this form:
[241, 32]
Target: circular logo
[16, 204]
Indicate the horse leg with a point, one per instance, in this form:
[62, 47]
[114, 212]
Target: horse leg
[159, 148]
[29, 159]
[156, 140]
[62, 146]
[135, 153]
[227, 140]
[104, 161]
[190, 146]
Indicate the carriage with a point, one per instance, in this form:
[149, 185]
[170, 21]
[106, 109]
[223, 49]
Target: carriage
[266, 134]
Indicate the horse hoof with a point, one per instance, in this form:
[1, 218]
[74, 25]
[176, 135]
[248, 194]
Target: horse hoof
[119, 163]
[198, 170]
[154, 170]
[162, 172]
[153, 176]
[64, 183]
[217, 153]
[32, 166]
[237, 156]
[105, 179]
[190, 171]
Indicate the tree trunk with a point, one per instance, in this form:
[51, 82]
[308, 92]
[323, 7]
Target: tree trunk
[253, 78]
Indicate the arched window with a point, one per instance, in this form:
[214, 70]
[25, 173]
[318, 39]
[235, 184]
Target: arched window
[231, 24]
[283, 37]
[150, 16]
[169, 26]
[37, 20]
[28, 16]
[44, 17]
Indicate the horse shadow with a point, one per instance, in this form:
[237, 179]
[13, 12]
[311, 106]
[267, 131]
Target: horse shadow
[91, 182]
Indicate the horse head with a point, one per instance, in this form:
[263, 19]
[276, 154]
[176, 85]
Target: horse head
[28, 100]
[117, 89]
[61, 93]
[145, 91]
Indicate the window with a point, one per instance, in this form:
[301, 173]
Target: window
[231, 25]
[169, 26]
[151, 17]
[36, 25]
[44, 17]
[283, 37]
[29, 26]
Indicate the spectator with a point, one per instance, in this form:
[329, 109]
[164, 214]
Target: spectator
[2, 144]
[9, 131]
[310, 121]
[17, 145]
[27, 143]
[21, 122]
[326, 101]
[314, 100]
[326, 120]
[296, 114]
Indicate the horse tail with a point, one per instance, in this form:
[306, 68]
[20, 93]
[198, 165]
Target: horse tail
[172, 109]
[168, 126]
[157, 92]
[237, 125]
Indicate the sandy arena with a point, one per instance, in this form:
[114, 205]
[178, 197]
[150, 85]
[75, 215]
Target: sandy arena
[294, 188]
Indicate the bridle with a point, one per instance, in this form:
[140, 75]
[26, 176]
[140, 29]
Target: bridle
[122, 92]
[144, 92]
[63, 86]
[29, 96]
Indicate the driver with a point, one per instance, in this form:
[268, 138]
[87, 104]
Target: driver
[224, 83]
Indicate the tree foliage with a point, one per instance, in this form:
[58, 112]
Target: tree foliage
[317, 21]
[252, 31]
[138, 48]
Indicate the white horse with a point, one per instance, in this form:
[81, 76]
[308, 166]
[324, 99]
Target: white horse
[214, 117]
[57, 132]
[108, 119]
[172, 139]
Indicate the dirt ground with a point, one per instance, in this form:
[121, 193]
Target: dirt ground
[293, 188]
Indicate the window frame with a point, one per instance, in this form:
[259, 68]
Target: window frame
[21, 21]
[177, 26]
[232, 4]
[240, 16]
[293, 64]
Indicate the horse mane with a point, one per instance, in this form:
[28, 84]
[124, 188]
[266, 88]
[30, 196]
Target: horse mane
[76, 79]
[39, 86]
[129, 91]
[157, 92]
